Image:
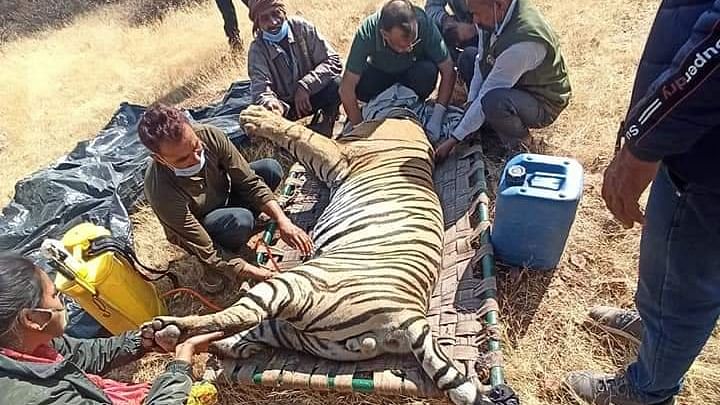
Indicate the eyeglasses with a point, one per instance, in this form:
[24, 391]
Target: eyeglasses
[64, 299]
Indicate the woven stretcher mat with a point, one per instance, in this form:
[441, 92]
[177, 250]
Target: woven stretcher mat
[456, 306]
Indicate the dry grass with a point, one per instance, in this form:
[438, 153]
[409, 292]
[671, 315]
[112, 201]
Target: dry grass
[60, 87]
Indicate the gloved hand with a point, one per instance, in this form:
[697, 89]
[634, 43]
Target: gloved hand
[434, 126]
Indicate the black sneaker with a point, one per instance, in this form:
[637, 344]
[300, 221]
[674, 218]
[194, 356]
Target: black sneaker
[621, 322]
[606, 389]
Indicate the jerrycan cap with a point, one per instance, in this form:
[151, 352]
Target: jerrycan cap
[515, 175]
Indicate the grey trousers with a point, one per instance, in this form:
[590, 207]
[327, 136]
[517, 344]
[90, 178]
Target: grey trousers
[509, 112]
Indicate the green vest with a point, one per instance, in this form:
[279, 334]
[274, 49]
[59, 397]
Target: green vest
[548, 82]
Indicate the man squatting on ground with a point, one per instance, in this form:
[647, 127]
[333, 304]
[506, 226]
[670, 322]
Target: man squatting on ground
[398, 44]
[517, 75]
[207, 196]
[293, 70]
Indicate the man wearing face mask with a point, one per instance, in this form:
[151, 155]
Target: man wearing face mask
[518, 80]
[294, 71]
[207, 196]
[398, 44]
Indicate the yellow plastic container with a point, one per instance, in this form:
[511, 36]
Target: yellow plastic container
[107, 286]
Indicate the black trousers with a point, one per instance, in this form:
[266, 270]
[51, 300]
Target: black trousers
[421, 77]
[227, 9]
[326, 100]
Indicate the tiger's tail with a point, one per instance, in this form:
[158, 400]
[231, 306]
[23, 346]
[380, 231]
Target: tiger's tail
[460, 389]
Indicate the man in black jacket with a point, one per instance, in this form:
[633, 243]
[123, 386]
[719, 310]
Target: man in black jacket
[672, 137]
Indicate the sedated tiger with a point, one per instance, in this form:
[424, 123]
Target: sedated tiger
[378, 248]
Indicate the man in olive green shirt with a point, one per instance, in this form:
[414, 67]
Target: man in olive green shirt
[398, 44]
[206, 195]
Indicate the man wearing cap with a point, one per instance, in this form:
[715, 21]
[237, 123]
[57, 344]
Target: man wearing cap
[293, 69]
[518, 80]
[398, 44]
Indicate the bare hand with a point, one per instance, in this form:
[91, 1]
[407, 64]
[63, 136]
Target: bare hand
[194, 345]
[456, 32]
[257, 273]
[466, 31]
[625, 180]
[303, 107]
[275, 106]
[295, 237]
[444, 150]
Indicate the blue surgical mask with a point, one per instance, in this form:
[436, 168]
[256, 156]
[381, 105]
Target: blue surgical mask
[282, 34]
[192, 170]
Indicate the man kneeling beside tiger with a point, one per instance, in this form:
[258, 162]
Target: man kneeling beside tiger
[378, 249]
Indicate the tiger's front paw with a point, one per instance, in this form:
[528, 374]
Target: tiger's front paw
[163, 332]
[259, 121]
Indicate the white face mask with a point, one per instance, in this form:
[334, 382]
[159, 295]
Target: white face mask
[192, 170]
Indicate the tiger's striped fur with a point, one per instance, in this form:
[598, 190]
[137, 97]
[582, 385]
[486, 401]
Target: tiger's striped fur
[378, 249]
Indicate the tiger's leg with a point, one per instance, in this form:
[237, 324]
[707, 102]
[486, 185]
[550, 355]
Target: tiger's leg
[270, 333]
[437, 365]
[269, 299]
[327, 159]
[281, 334]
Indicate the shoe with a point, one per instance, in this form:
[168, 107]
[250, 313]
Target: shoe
[606, 389]
[236, 44]
[621, 322]
[213, 282]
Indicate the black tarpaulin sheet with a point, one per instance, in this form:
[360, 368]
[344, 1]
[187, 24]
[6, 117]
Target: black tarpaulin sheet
[101, 179]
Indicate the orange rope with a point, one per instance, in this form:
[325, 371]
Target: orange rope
[195, 294]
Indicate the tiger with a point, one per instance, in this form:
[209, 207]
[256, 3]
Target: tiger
[378, 245]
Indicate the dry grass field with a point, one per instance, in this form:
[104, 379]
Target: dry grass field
[60, 85]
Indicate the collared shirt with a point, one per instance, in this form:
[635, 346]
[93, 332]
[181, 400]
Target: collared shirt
[181, 203]
[309, 61]
[369, 47]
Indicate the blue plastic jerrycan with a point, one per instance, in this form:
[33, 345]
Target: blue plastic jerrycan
[536, 204]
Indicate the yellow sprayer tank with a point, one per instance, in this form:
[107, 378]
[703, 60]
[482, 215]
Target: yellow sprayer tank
[107, 286]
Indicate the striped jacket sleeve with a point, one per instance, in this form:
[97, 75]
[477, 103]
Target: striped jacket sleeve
[682, 105]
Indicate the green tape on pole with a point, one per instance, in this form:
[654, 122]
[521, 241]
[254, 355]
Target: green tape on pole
[260, 257]
[363, 385]
[497, 376]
